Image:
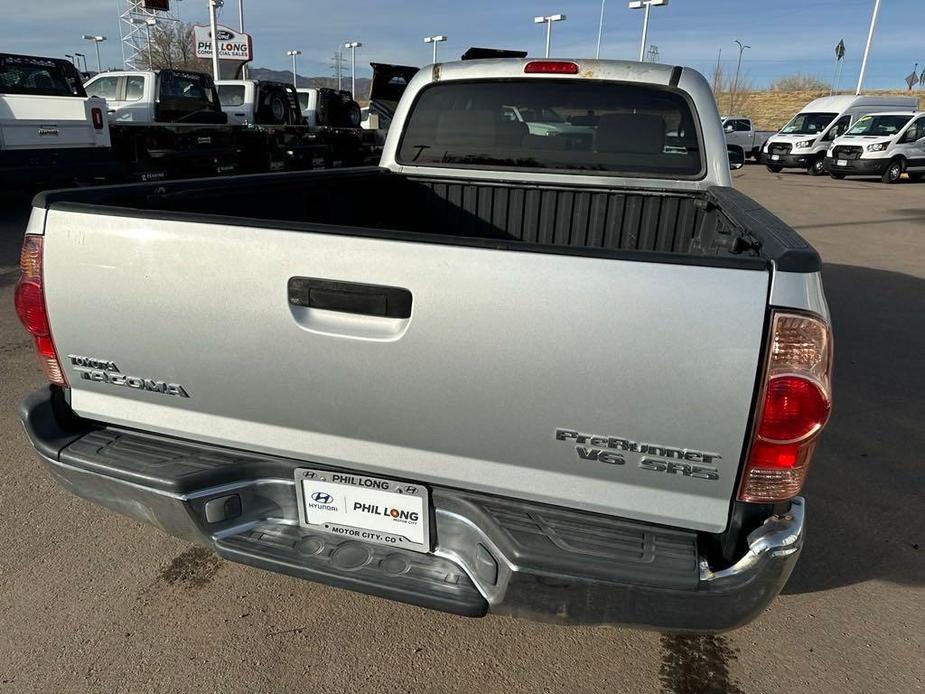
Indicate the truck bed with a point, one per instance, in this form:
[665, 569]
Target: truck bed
[719, 226]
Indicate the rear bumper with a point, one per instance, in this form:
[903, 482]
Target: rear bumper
[489, 553]
[857, 167]
[22, 168]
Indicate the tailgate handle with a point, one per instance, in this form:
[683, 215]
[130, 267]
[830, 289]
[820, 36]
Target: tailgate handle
[350, 297]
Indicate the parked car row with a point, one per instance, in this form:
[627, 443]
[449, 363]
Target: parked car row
[161, 124]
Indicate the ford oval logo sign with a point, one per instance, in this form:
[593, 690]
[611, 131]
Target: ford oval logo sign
[223, 35]
[322, 498]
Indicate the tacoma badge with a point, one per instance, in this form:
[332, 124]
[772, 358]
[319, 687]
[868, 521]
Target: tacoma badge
[106, 371]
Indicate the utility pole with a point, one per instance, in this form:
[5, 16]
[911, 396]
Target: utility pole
[735, 82]
[717, 75]
[213, 28]
[353, 45]
[337, 64]
[870, 38]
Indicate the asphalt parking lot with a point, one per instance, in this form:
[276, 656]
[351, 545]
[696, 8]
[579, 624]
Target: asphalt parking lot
[90, 601]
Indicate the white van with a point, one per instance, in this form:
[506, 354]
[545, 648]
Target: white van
[881, 144]
[804, 141]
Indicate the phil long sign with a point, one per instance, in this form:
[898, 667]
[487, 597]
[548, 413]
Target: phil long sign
[232, 45]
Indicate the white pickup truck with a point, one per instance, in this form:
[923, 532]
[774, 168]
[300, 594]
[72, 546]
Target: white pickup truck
[579, 379]
[740, 132]
[51, 133]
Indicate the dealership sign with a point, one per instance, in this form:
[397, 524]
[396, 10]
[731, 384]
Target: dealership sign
[232, 45]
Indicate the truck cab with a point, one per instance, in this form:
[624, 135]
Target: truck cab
[881, 144]
[804, 141]
[740, 132]
[158, 96]
[331, 108]
[259, 102]
[50, 131]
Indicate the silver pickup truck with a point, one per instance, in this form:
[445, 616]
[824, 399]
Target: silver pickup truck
[574, 376]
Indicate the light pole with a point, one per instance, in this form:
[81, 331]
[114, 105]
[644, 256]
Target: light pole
[293, 55]
[870, 38]
[97, 40]
[149, 22]
[353, 45]
[435, 40]
[645, 4]
[213, 28]
[600, 32]
[241, 25]
[735, 82]
[81, 55]
[548, 20]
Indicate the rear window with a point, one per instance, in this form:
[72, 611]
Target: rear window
[40, 76]
[185, 85]
[552, 125]
[231, 94]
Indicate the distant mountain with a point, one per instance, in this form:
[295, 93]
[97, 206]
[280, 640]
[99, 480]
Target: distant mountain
[262, 73]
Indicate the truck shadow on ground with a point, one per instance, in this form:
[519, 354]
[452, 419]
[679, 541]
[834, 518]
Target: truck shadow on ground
[864, 487]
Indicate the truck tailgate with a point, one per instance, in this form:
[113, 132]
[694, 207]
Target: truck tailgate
[30, 122]
[522, 374]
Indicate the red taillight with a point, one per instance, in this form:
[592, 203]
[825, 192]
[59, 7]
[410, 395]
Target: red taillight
[30, 307]
[555, 67]
[96, 115]
[29, 298]
[795, 406]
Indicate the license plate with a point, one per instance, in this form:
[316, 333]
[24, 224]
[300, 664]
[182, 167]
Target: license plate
[841, 162]
[775, 157]
[369, 509]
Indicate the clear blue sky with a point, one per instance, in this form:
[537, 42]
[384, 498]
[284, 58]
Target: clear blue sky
[786, 35]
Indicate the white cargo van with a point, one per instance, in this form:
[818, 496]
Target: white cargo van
[881, 144]
[804, 141]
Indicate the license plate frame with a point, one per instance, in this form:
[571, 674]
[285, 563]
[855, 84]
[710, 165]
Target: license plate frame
[327, 503]
[841, 162]
[775, 157]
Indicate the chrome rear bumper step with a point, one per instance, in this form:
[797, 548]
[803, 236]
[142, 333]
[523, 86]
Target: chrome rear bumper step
[489, 553]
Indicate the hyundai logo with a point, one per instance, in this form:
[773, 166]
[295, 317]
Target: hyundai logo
[322, 498]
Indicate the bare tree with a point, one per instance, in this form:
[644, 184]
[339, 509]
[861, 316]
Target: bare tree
[798, 83]
[723, 84]
[172, 47]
